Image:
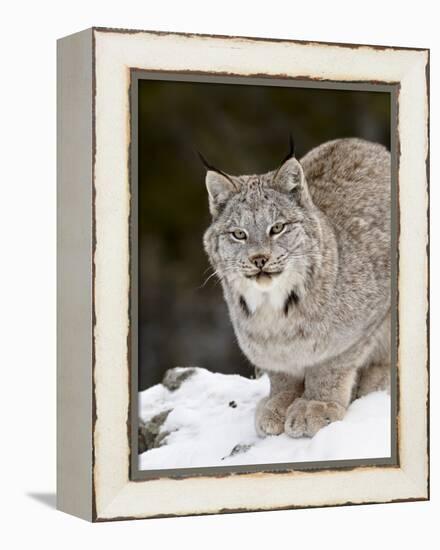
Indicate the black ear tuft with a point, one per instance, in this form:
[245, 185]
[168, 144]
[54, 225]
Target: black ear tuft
[291, 145]
[206, 163]
[213, 168]
[291, 153]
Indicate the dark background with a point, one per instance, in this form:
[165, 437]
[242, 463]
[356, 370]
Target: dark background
[241, 129]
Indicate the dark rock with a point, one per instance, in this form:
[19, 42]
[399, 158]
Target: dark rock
[142, 443]
[160, 439]
[238, 449]
[149, 434]
[174, 378]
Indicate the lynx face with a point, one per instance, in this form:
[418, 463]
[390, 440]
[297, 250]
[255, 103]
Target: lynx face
[262, 234]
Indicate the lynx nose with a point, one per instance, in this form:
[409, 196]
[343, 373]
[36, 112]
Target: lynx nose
[259, 260]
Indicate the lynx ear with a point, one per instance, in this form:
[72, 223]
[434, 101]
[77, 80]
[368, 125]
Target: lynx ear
[290, 178]
[220, 188]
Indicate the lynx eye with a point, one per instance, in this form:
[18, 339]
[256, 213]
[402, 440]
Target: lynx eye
[277, 228]
[239, 234]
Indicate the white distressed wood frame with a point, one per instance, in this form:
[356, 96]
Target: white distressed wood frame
[94, 275]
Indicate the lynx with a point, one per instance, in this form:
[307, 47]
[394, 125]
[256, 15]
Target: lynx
[303, 255]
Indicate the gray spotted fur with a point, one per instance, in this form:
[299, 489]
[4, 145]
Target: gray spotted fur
[320, 327]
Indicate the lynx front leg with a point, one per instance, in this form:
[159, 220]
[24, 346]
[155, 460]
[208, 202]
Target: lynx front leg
[270, 414]
[375, 377]
[327, 394]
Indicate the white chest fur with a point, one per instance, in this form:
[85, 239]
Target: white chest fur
[257, 297]
[270, 295]
[271, 338]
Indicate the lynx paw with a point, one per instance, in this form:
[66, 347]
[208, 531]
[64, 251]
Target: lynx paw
[270, 415]
[306, 418]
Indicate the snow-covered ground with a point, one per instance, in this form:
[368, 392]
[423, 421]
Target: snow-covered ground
[211, 423]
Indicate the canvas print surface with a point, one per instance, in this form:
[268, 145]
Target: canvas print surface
[264, 274]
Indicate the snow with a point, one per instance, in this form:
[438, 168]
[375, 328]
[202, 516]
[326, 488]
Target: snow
[213, 414]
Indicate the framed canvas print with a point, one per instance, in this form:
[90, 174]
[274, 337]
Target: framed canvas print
[242, 274]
